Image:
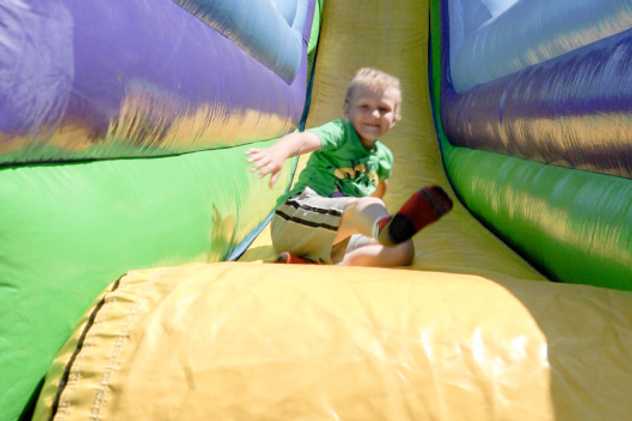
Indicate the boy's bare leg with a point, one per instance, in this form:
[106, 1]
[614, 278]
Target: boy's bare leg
[359, 217]
[368, 216]
[392, 242]
[378, 255]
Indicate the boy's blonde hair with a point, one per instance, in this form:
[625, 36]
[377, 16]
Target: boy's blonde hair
[375, 79]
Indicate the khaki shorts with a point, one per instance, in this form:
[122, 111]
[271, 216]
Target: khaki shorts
[307, 225]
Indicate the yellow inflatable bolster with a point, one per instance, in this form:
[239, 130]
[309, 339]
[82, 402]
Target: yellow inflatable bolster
[285, 342]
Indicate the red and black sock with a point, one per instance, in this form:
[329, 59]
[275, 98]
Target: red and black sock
[422, 208]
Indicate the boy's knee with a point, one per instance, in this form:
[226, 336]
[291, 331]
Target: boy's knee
[369, 200]
[362, 203]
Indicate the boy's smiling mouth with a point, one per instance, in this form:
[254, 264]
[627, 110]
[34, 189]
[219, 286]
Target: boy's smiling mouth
[371, 125]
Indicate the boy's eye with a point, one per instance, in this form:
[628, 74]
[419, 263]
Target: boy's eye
[364, 106]
[384, 110]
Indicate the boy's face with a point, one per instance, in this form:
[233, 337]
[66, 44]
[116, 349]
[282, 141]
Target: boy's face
[372, 112]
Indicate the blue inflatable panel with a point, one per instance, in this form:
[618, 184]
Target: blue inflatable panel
[573, 111]
[494, 38]
[269, 30]
[85, 79]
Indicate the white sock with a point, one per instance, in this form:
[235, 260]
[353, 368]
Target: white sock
[375, 232]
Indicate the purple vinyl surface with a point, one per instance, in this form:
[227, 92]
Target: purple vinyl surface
[91, 79]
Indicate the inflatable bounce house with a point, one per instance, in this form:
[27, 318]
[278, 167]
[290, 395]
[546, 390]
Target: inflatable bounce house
[135, 281]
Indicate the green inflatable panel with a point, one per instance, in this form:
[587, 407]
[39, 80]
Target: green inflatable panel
[575, 226]
[68, 230]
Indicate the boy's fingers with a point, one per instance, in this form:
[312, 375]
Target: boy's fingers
[262, 165]
[255, 155]
[257, 160]
[273, 179]
[259, 166]
[265, 170]
[260, 160]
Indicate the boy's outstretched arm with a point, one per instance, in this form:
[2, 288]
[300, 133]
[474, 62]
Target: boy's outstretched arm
[270, 160]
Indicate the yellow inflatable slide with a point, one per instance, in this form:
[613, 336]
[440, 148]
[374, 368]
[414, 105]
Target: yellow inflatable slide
[469, 332]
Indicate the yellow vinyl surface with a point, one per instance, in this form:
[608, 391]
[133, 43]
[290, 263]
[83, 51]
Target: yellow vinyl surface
[393, 36]
[239, 341]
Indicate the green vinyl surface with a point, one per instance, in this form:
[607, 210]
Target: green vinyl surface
[68, 230]
[575, 226]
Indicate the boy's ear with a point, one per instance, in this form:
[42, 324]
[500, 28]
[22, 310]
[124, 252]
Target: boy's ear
[396, 119]
[398, 112]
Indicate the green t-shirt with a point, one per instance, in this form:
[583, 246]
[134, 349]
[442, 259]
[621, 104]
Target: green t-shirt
[343, 165]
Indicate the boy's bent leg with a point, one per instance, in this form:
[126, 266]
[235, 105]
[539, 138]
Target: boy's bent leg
[368, 216]
[375, 254]
[422, 208]
[360, 216]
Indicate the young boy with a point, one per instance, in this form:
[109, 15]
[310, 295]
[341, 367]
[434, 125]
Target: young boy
[335, 213]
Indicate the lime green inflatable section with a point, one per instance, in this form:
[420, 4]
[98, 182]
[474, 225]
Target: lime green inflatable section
[313, 39]
[71, 229]
[575, 226]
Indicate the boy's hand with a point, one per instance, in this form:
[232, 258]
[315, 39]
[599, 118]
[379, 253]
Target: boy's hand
[267, 161]
[270, 160]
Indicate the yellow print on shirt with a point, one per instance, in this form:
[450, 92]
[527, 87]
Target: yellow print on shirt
[353, 173]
